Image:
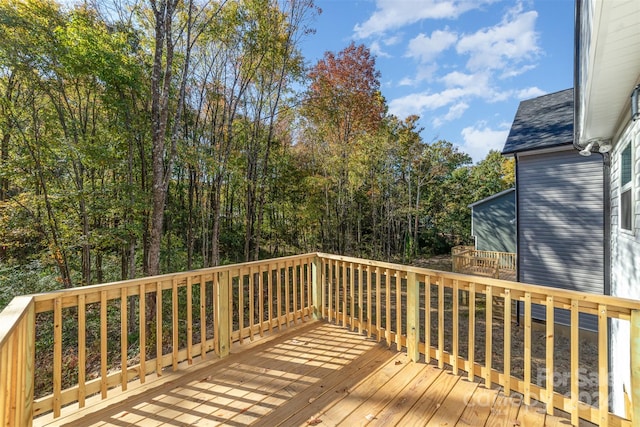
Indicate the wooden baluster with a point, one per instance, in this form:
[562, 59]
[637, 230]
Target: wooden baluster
[82, 350]
[507, 342]
[387, 304]
[527, 348]
[603, 366]
[352, 299]
[190, 322]
[369, 301]
[549, 366]
[261, 300]
[575, 370]
[252, 317]
[488, 336]
[57, 355]
[378, 305]
[472, 333]
[441, 323]
[124, 339]
[142, 328]
[270, 296]
[203, 318]
[399, 310]
[427, 319]
[103, 343]
[159, 351]
[360, 301]
[456, 335]
[174, 324]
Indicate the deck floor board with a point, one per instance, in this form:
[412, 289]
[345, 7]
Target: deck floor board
[314, 374]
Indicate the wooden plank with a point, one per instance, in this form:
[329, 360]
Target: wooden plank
[456, 334]
[190, 322]
[316, 288]
[124, 338]
[575, 372]
[471, 345]
[366, 389]
[507, 342]
[410, 395]
[449, 413]
[373, 406]
[82, 350]
[294, 279]
[431, 400]
[311, 399]
[529, 416]
[549, 365]
[603, 366]
[488, 353]
[142, 327]
[527, 348]
[504, 412]
[323, 286]
[103, 344]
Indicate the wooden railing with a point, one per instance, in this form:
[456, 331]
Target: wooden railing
[16, 362]
[466, 259]
[100, 339]
[397, 304]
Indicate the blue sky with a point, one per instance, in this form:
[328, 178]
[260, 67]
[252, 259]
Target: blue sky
[461, 65]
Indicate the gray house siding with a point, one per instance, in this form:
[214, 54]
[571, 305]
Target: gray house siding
[493, 222]
[560, 224]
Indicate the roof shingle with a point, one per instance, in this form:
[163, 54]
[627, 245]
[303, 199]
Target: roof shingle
[542, 122]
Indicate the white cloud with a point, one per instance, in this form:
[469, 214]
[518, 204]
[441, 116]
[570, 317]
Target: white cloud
[376, 49]
[480, 139]
[500, 47]
[394, 14]
[530, 92]
[455, 112]
[425, 48]
[392, 41]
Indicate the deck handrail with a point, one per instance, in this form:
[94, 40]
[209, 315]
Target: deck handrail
[467, 259]
[202, 312]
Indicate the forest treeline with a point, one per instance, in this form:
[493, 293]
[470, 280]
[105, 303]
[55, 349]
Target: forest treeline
[146, 137]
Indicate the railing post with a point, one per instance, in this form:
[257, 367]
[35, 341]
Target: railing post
[413, 317]
[30, 362]
[316, 288]
[223, 333]
[635, 366]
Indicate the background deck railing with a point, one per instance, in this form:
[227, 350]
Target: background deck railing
[499, 265]
[91, 337]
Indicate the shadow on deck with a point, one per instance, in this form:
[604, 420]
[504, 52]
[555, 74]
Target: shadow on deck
[314, 374]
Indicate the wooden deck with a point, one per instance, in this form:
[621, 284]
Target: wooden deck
[314, 374]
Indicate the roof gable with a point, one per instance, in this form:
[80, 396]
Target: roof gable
[542, 122]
